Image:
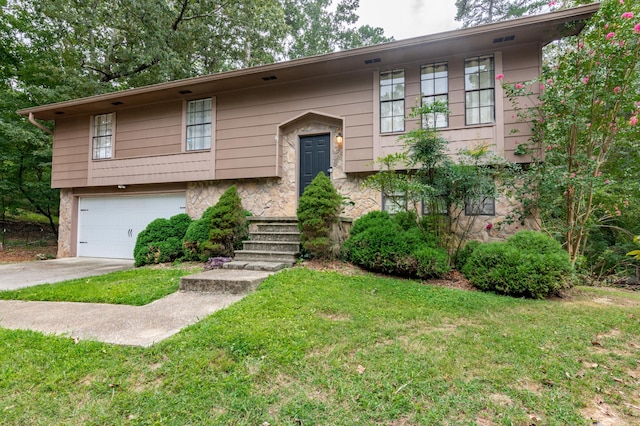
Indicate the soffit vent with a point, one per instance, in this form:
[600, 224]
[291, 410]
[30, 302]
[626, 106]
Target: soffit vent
[269, 77]
[372, 61]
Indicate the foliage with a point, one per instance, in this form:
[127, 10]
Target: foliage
[195, 238]
[528, 264]
[586, 138]
[134, 287]
[394, 245]
[426, 174]
[227, 224]
[397, 351]
[161, 240]
[57, 50]
[319, 26]
[477, 12]
[464, 253]
[635, 253]
[318, 209]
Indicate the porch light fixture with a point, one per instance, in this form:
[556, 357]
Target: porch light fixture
[339, 140]
[122, 186]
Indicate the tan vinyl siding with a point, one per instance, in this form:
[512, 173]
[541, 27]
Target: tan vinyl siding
[520, 64]
[247, 121]
[70, 153]
[152, 130]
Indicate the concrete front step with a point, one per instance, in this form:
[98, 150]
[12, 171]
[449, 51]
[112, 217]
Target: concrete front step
[277, 246]
[277, 227]
[228, 281]
[264, 256]
[276, 236]
[257, 266]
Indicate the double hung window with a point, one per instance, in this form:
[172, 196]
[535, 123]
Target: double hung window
[434, 86]
[392, 101]
[102, 139]
[479, 86]
[199, 124]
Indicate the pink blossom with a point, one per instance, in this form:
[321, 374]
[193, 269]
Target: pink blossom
[621, 1]
[607, 181]
[610, 35]
[636, 29]
[499, 76]
[617, 89]
[618, 213]
[606, 26]
[519, 86]
[542, 87]
[627, 15]
[572, 175]
[489, 226]
[552, 3]
[548, 147]
[585, 80]
[588, 125]
[550, 81]
[633, 121]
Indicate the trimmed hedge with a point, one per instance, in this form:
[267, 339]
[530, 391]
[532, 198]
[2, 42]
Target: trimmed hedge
[161, 240]
[529, 264]
[394, 245]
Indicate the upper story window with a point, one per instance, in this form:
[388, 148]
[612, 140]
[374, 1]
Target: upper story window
[199, 124]
[102, 136]
[434, 86]
[392, 101]
[479, 86]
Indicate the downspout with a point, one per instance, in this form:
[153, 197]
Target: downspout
[33, 121]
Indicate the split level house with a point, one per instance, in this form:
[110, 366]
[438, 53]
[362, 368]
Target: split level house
[123, 159]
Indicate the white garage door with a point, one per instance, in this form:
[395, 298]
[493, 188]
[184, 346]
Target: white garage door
[108, 226]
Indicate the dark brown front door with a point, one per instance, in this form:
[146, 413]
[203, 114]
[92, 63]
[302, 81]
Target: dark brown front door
[315, 157]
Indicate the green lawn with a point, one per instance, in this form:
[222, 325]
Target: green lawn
[134, 287]
[322, 348]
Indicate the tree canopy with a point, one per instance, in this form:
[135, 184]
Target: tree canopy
[63, 49]
[477, 12]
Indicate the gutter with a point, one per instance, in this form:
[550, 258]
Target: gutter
[33, 121]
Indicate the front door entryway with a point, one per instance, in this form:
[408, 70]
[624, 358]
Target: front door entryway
[315, 157]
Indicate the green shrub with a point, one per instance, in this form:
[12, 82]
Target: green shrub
[228, 223]
[529, 264]
[318, 208]
[381, 244]
[369, 220]
[464, 253]
[161, 240]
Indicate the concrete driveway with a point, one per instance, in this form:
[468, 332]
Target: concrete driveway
[18, 275]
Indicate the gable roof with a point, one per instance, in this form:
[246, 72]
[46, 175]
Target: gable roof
[542, 28]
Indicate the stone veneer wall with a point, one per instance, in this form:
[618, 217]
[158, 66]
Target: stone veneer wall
[66, 222]
[278, 197]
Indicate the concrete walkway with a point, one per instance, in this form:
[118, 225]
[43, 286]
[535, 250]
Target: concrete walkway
[18, 275]
[118, 324]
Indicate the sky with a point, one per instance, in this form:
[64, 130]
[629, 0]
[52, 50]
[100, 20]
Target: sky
[409, 18]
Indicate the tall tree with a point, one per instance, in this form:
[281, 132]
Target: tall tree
[586, 131]
[56, 50]
[477, 12]
[314, 28]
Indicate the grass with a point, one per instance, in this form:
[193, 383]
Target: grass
[321, 348]
[134, 287]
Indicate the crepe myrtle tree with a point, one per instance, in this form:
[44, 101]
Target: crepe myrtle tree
[584, 114]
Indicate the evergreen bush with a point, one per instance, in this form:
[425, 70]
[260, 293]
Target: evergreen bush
[161, 240]
[529, 264]
[228, 222]
[379, 242]
[318, 208]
